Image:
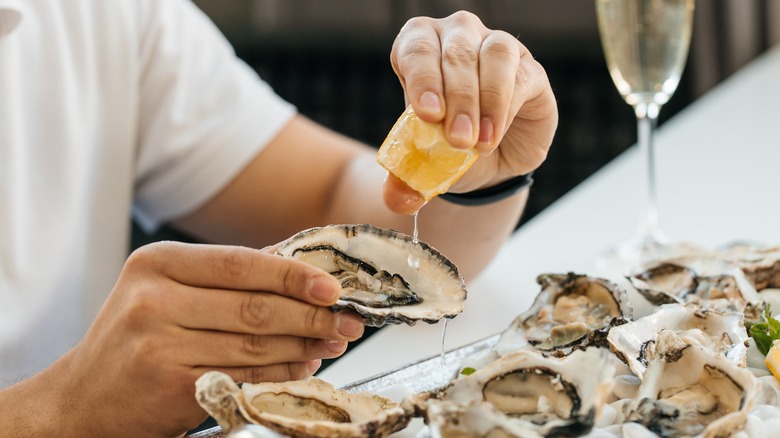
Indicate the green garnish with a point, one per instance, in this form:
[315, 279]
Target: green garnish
[467, 371]
[766, 332]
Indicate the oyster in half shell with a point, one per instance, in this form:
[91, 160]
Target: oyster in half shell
[386, 276]
[726, 279]
[570, 312]
[476, 420]
[688, 391]
[525, 391]
[708, 283]
[760, 264]
[722, 333]
[304, 408]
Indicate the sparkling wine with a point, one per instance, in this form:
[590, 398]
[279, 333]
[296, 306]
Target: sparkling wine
[645, 44]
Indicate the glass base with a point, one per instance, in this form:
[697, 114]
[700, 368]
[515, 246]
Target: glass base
[627, 256]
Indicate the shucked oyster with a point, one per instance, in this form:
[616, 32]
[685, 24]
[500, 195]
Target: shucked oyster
[476, 420]
[722, 333]
[386, 276]
[304, 408]
[571, 312]
[761, 265]
[726, 280]
[688, 391]
[526, 395]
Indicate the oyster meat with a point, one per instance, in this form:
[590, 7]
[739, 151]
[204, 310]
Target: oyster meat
[725, 280]
[476, 420]
[722, 333]
[760, 264]
[526, 391]
[304, 408]
[689, 392]
[386, 276]
[570, 312]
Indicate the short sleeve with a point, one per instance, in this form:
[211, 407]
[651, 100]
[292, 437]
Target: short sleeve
[203, 113]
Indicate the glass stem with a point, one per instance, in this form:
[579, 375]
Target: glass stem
[647, 119]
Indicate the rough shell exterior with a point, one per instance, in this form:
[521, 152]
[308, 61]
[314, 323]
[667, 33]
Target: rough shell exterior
[689, 392]
[571, 312]
[723, 333]
[527, 391]
[436, 280]
[367, 415]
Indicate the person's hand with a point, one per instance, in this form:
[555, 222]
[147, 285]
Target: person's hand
[180, 310]
[487, 90]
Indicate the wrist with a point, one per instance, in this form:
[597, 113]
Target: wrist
[33, 407]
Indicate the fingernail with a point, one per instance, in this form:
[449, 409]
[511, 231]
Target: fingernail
[321, 289]
[485, 130]
[350, 327]
[430, 102]
[313, 365]
[336, 346]
[462, 129]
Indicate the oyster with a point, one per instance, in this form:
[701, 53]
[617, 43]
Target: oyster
[709, 283]
[688, 391]
[386, 276]
[305, 408]
[724, 334]
[729, 278]
[761, 265]
[475, 420]
[526, 391]
[570, 312]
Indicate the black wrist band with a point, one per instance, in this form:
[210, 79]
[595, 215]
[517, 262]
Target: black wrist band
[491, 194]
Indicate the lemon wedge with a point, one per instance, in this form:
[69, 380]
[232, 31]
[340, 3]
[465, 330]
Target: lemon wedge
[418, 154]
[773, 359]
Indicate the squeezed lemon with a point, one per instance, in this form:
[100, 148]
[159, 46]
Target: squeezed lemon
[418, 154]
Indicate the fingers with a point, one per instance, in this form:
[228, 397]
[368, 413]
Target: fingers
[483, 80]
[399, 197]
[499, 60]
[218, 349]
[269, 373]
[535, 116]
[236, 268]
[262, 314]
[416, 59]
[460, 44]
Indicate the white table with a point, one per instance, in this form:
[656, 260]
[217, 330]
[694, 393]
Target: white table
[718, 164]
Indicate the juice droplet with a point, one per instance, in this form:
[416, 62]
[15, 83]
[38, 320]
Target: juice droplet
[416, 232]
[414, 261]
[443, 335]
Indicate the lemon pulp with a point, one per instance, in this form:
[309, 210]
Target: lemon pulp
[418, 154]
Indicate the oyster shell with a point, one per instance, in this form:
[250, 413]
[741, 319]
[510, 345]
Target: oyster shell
[305, 408]
[688, 391]
[526, 391]
[475, 420]
[724, 279]
[761, 265]
[724, 334]
[386, 276]
[570, 312]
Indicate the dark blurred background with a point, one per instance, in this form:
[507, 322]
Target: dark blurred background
[331, 59]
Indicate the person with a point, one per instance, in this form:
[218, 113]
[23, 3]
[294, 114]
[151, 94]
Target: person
[141, 106]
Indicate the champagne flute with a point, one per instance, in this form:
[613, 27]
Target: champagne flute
[645, 44]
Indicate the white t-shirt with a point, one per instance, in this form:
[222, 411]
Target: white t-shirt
[107, 107]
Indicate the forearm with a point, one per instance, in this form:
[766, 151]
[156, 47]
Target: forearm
[469, 236]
